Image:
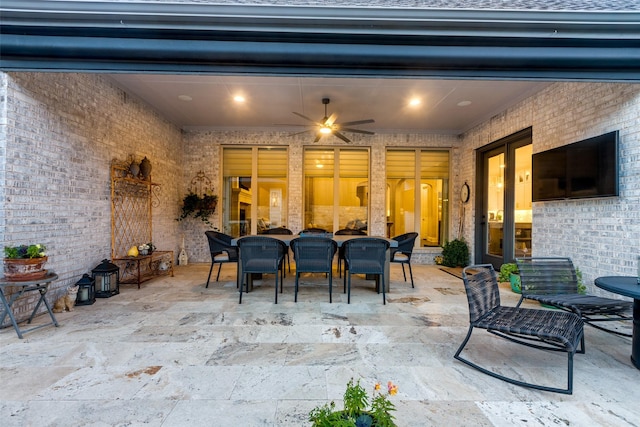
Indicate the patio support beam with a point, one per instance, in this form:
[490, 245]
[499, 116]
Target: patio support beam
[104, 36]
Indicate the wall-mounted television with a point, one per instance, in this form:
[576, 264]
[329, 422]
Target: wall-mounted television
[587, 168]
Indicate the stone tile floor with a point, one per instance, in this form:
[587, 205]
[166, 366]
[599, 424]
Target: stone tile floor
[176, 354]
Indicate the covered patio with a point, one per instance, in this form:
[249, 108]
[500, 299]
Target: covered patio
[174, 353]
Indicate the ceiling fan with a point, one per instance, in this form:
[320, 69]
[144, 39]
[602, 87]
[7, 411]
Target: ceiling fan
[328, 125]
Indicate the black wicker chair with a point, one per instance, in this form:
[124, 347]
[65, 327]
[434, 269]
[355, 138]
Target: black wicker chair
[365, 255]
[551, 330]
[314, 254]
[402, 254]
[280, 231]
[221, 251]
[553, 281]
[261, 254]
[346, 232]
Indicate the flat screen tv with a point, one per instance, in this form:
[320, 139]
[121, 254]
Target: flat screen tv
[584, 169]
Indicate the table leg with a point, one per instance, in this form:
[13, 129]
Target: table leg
[635, 344]
[7, 307]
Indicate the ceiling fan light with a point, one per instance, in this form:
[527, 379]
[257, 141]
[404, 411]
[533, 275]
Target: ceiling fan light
[325, 130]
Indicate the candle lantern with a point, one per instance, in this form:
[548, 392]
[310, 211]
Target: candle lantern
[107, 279]
[86, 290]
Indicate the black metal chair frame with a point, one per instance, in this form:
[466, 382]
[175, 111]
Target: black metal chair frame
[365, 255]
[346, 232]
[222, 251]
[550, 330]
[553, 281]
[261, 254]
[314, 254]
[280, 231]
[405, 250]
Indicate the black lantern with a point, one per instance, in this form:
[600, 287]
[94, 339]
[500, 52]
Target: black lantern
[86, 290]
[107, 279]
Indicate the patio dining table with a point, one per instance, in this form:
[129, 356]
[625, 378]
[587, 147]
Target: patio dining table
[339, 239]
[629, 287]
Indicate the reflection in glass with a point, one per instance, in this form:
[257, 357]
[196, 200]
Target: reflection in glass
[495, 204]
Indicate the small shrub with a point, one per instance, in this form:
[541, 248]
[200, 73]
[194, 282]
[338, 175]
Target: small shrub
[455, 253]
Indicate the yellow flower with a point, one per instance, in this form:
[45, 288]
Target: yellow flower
[376, 387]
[393, 389]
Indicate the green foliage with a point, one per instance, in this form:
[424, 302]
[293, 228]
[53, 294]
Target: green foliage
[25, 251]
[582, 289]
[455, 253]
[506, 269]
[198, 207]
[355, 412]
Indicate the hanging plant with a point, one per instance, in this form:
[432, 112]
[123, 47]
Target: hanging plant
[199, 207]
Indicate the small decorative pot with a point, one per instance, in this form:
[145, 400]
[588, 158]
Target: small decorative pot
[134, 169]
[25, 268]
[145, 168]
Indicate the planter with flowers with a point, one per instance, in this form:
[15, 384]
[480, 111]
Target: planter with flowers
[146, 248]
[357, 412]
[25, 262]
[201, 207]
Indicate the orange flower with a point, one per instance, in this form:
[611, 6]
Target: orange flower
[393, 389]
[376, 387]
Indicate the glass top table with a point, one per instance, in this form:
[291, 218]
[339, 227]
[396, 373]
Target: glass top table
[627, 286]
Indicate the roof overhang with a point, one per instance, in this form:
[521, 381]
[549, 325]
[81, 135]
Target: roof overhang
[102, 36]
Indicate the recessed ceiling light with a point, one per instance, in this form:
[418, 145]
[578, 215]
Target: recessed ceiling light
[239, 98]
[414, 102]
[185, 98]
[464, 103]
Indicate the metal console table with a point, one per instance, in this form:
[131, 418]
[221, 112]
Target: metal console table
[39, 285]
[137, 270]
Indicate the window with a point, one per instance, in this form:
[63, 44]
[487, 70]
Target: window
[336, 188]
[255, 189]
[417, 194]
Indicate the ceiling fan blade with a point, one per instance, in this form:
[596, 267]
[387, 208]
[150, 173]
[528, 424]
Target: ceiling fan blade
[298, 133]
[341, 136]
[332, 118]
[318, 136]
[358, 122]
[366, 132]
[307, 118]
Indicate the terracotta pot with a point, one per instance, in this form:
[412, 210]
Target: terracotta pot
[25, 268]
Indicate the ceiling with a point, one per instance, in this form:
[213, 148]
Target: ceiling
[271, 101]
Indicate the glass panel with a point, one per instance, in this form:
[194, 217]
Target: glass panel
[236, 197]
[522, 205]
[318, 188]
[353, 202]
[434, 174]
[495, 204]
[401, 172]
[431, 194]
[272, 188]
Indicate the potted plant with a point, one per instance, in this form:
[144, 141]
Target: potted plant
[355, 412]
[455, 253]
[509, 273]
[201, 207]
[25, 262]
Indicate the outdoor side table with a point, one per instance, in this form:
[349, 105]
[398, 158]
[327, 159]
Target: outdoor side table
[629, 287]
[39, 285]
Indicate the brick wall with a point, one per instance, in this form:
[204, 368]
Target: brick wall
[58, 134]
[602, 236]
